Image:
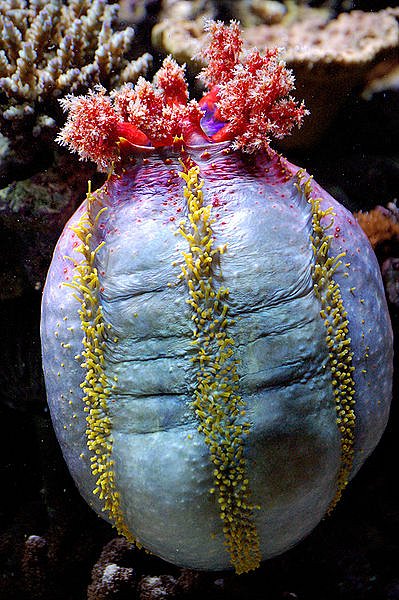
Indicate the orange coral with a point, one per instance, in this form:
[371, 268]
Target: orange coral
[380, 225]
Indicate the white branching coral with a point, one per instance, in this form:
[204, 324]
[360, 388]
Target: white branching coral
[52, 47]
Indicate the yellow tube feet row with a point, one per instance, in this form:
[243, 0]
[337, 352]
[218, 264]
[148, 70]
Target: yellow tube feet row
[217, 403]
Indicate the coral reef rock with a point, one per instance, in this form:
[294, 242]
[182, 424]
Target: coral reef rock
[138, 12]
[35, 566]
[115, 582]
[390, 273]
[380, 224]
[180, 28]
[32, 211]
[51, 48]
[161, 587]
[112, 575]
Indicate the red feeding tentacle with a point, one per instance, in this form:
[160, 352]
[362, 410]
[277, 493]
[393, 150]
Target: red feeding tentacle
[210, 99]
[248, 102]
[132, 134]
[227, 132]
[222, 52]
[248, 95]
[171, 80]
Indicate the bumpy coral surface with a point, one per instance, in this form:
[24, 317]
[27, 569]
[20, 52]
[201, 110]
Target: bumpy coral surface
[50, 48]
[216, 342]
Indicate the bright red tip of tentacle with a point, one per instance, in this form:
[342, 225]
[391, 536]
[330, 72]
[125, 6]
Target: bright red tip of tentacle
[222, 53]
[209, 100]
[132, 134]
[224, 134]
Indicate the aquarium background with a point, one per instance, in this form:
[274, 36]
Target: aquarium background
[52, 546]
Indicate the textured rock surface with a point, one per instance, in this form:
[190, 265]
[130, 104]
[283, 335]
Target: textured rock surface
[161, 587]
[32, 214]
[110, 577]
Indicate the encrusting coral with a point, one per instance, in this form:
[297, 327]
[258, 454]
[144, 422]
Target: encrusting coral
[213, 322]
[48, 48]
[380, 224]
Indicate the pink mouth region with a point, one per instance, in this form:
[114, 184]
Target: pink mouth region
[208, 128]
[211, 123]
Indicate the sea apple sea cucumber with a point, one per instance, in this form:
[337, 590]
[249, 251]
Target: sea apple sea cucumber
[216, 342]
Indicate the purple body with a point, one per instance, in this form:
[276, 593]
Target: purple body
[262, 222]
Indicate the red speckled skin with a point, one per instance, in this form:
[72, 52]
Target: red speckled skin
[162, 464]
